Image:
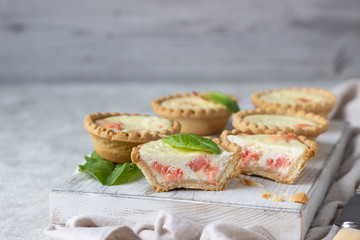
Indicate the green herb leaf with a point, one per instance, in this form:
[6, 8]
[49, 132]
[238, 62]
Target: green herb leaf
[193, 142]
[109, 173]
[223, 99]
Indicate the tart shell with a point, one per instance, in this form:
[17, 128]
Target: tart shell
[310, 132]
[200, 121]
[294, 171]
[117, 146]
[227, 174]
[322, 108]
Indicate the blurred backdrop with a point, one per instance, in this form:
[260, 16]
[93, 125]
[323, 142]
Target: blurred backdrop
[179, 41]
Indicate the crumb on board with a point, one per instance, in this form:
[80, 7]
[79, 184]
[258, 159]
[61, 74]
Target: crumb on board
[249, 182]
[239, 177]
[252, 183]
[272, 196]
[297, 197]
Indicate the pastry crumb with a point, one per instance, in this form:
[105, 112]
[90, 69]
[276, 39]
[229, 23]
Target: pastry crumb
[249, 182]
[297, 197]
[252, 183]
[272, 196]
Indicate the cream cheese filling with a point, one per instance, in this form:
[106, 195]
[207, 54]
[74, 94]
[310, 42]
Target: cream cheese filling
[194, 165]
[126, 123]
[280, 121]
[274, 152]
[191, 102]
[292, 97]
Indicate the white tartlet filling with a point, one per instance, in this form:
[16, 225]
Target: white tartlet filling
[271, 150]
[142, 123]
[191, 102]
[292, 96]
[280, 121]
[158, 151]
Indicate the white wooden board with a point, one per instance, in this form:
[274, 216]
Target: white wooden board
[238, 203]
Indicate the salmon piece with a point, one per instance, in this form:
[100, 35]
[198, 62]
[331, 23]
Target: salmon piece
[211, 172]
[279, 137]
[199, 163]
[302, 100]
[169, 174]
[159, 168]
[173, 175]
[106, 124]
[302, 125]
[282, 161]
[248, 155]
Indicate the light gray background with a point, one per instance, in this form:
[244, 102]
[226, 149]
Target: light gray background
[63, 59]
[170, 40]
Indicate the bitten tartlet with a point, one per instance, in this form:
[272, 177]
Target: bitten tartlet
[114, 134]
[285, 120]
[195, 113]
[318, 101]
[166, 167]
[280, 157]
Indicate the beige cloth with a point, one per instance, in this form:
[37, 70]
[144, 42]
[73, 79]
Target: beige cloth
[166, 226]
[348, 176]
[171, 226]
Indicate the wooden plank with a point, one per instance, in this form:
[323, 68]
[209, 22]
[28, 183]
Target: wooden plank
[238, 203]
[138, 210]
[176, 41]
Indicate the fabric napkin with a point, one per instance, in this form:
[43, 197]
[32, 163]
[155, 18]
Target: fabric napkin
[348, 176]
[167, 225]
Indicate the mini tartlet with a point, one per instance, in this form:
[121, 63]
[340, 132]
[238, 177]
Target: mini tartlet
[195, 113]
[166, 167]
[114, 139]
[318, 101]
[285, 120]
[280, 157]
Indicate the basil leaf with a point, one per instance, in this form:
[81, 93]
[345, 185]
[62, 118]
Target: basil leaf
[193, 142]
[109, 173]
[223, 99]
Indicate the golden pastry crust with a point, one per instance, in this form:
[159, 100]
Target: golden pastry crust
[117, 146]
[200, 121]
[228, 172]
[322, 124]
[322, 108]
[295, 169]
